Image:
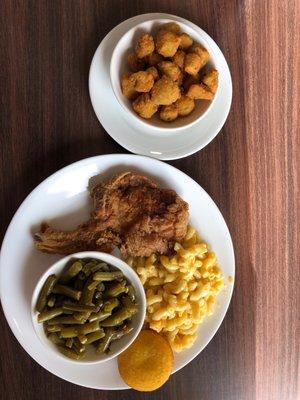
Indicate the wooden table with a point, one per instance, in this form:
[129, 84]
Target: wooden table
[251, 170]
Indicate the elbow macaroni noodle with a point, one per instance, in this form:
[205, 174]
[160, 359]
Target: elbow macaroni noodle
[180, 290]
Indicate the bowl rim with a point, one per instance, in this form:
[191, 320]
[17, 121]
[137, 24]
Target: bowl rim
[140, 120]
[110, 259]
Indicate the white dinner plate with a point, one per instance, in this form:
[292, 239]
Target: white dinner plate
[142, 139]
[63, 199]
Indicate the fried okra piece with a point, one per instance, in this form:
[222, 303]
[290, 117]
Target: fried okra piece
[169, 113]
[185, 105]
[135, 64]
[190, 80]
[144, 106]
[180, 79]
[167, 43]
[145, 46]
[172, 27]
[211, 79]
[165, 91]
[153, 71]
[199, 92]
[170, 69]
[192, 63]
[185, 41]
[143, 81]
[178, 58]
[201, 52]
[153, 59]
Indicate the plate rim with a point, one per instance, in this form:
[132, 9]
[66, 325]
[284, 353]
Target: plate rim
[61, 171]
[130, 148]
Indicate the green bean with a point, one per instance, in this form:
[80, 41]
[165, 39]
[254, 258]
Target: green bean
[119, 316]
[89, 327]
[45, 292]
[87, 295]
[87, 267]
[69, 332]
[79, 347]
[55, 339]
[93, 285]
[82, 339]
[71, 272]
[116, 289]
[103, 344]
[131, 293]
[82, 316]
[51, 301]
[67, 291]
[78, 284]
[69, 342]
[77, 307]
[98, 267]
[110, 304]
[94, 336]
[54, 328]
[70, 320]
[121, 332]
[99, 316]
[70, 353]
[107, 276]
[49, 314]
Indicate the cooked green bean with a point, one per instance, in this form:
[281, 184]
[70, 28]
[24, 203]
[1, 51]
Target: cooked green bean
[87, 267]
[71, 272]
[69, 342]
[94, 336]
[45, 292]
[55, 339]
[110, 304]
[131, 293]
[69, 332]
[67, 291]
[81, 317]
[87, 294]
[77, 307]
[78, 284]
[93, 285]
[116, 289]
[51, 301]
[99, 316]
[119, 316]
[79, 347]
[49, 314]
[89, 327]
[70, 353]
[105, 342]
[82, 339]
[54, 328]
[107, 276]
[97, 267]
[65, 319]
[121, 332]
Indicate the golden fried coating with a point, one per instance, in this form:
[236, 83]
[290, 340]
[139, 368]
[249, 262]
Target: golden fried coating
[180, 79]
[143, 81]
[211, 79]
[135, 64]
[166, 43]
[201, 52]
[169, 113]
[178, 58]
[172, 27]
[185, 41]
[144, 106]
[185, 105]
[190, 80]
[192, 63]
[165, 91]
[153, 59]
[199, 91]
[145, 46]
[153, 71]
[128, 86]
[169, 69]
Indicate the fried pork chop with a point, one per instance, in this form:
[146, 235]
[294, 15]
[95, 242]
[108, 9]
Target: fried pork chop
[131, 212]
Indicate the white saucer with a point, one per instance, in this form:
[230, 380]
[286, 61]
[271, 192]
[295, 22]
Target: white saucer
[124, 129]
[63, 200]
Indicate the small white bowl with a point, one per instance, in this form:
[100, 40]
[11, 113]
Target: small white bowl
[119, 67]
[92, 357]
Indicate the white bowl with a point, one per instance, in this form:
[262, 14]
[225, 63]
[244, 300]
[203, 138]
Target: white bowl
[119, 67]
[117, 346]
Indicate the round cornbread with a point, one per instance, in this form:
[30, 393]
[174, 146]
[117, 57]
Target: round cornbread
[147, 363]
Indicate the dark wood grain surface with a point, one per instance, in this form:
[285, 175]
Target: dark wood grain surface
[251, 170]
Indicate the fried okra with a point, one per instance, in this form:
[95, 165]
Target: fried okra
[185, 105]
[145, 106]
[178, 58]
[190, 80]
[170, 69]
[201, 52]
[192, 63]
[166, 43]
[135, 64]
[127, 84]
[153, 71]
[172, 27]
[165, 91]
[185, 41]
[169, 113]
[199, 92]
[145, 46]
[153, 59]
[211, 79]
